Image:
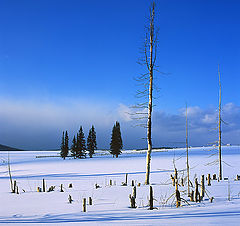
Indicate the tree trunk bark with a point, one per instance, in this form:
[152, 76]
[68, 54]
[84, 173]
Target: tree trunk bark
[219, 129]
[149, 122]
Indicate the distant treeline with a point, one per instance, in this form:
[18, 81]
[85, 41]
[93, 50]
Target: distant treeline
[7, 148]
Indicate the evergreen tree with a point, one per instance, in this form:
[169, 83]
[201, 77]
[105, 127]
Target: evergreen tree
[81, 146]
[74, 147]
[116, 141]
[66, 144]
[91, 142]
[62, 146]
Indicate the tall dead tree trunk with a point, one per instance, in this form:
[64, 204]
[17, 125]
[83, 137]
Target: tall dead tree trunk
[219, 128]
[188, 182]
[146, 82]
[150, 64]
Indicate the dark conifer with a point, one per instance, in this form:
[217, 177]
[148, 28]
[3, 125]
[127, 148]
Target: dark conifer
[66, 144]
[81, 146]
[91, 142]
[116, 141]
[62, 146]
[74, 148]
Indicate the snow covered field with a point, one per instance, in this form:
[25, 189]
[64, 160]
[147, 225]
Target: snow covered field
[111, 203]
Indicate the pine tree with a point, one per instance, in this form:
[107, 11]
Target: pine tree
[74, 147]
[62, 146]
[116, 141]
[91, 142]
[66, 148]
[81, 147]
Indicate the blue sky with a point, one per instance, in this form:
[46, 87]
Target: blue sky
[60, 60]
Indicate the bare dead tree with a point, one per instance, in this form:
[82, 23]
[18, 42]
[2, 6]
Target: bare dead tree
[10, 175]
[217, 145]
[219, 128]
[143, 111]
[150, 65]
[188, 183]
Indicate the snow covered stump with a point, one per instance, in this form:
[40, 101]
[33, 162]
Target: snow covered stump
[132, 201]
[133, 198]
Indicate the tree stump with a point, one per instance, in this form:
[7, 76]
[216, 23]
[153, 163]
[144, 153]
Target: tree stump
[61, 188]
[39, 189]
[14, 187]
[202, 188]
[132, 183]
[178, 198]
[209, 179]
[84, 205]
[51, 188]
[192, 196]
[70, 199]
[196, 191]
[151, 199]
[214, 177]
[44, 188]
[89, 201]
[132, 201]
[70, 185]
[134, 192]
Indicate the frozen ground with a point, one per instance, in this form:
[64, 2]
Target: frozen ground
[111, 203]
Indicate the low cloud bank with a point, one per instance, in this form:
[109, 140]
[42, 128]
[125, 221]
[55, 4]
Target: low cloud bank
[39, 125]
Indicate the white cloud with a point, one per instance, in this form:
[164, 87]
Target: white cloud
[209, 118]
[125, 112]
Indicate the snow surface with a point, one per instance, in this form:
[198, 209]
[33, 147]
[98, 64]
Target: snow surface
[111, 203]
